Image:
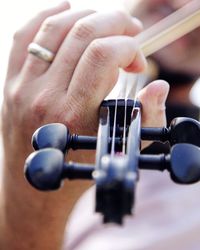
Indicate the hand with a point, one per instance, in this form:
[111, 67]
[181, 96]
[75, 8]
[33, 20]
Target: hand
[66, 91]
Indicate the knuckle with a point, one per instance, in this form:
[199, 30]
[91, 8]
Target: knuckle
[12, 108]
[99, 52]
[71, 120]
[74, 117]
[49, 25]
[14, 97]
[83, 30]
[39, 107]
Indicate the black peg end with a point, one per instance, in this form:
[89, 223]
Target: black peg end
[184, 130]
[43, 169]
[54, 135]
[185, 163]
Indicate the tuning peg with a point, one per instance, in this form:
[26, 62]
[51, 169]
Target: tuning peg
[43, 169]
[185, 163]
[184, 130]
[181, 130]
[55, 135]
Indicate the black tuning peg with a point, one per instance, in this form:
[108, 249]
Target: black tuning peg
[185, 163]
[184, 130]
[45, 169]
[56, 135]
[181, 130]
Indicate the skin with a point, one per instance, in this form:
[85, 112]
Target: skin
[65, 91]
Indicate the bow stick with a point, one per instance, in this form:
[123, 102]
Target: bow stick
[169, 29]
[118, 158]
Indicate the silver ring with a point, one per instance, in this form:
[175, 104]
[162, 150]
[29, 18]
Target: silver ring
[42, 53]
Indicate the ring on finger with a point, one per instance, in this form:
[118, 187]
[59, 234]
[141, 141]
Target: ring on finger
[41, 52]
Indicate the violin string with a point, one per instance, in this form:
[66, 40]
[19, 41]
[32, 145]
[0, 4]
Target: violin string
[134, 93]
[121, 84]
[130, 84]
[125, 115]
[140, 81]
[122, 93]
[132, 87]
[114, 129]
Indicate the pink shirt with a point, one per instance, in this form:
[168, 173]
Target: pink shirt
[167, 217]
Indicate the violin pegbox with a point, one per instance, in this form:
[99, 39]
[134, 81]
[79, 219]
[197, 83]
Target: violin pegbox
[118, 156]
[114, 177]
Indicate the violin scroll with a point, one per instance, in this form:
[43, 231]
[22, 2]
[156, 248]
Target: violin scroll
[118, 156]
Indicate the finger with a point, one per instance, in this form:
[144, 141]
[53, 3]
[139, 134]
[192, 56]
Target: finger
[83, 33]
[25, 35]
[50, 36]
[97, 72]
[153, 98]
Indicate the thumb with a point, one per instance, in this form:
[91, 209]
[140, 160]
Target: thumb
[153, 98]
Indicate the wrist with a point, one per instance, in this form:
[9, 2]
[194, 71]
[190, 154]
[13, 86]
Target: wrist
[27, 211]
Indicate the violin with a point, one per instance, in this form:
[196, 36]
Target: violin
[118, 141]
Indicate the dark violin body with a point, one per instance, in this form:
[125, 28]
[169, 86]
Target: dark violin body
[118, 156]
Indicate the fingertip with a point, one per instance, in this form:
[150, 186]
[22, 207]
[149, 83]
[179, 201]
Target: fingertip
[154, 95]
[159, 89]
[57, 6]
[139, 64]
[138, 24]
[64, 4]
[153, 98]
[160, 86]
